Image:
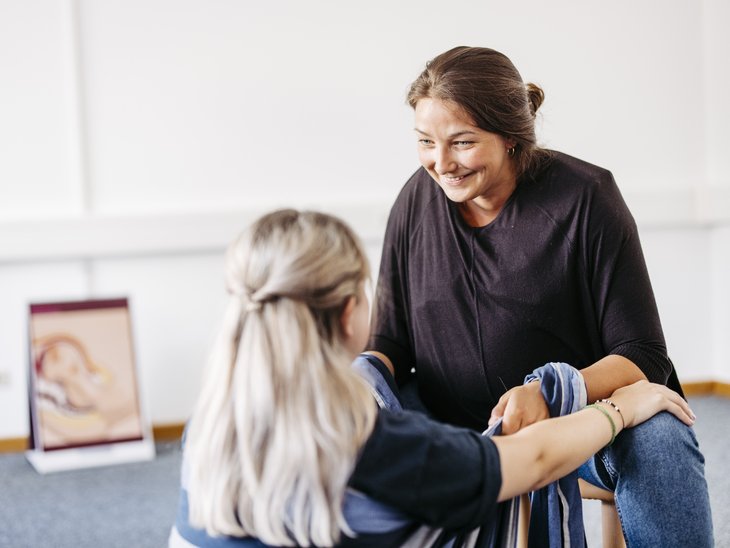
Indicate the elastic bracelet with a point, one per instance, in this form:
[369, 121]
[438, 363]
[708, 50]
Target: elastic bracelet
[620, 414]
[606, 414]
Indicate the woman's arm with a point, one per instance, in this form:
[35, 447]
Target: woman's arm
[525, 405]
[383, 358]
[452, 477]
[625, 311]
[546, 451]
[609, 374]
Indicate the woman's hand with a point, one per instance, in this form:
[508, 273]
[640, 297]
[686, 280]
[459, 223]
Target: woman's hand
[519, 407]
[642, 400]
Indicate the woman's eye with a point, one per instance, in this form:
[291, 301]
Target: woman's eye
[425, 142]
[463, 143]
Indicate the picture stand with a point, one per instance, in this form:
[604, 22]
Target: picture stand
[85, 409]
[88, 457]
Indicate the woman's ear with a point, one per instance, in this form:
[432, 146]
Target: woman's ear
[346, 322]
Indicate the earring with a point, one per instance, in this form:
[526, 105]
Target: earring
[511, 152]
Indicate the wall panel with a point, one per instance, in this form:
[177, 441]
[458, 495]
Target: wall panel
[21, 284]
[38, 115]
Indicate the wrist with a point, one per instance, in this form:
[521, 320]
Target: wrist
[614, 413]
[610, 415]
[616, 408]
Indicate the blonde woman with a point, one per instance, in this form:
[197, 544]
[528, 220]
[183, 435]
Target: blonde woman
[287, 446]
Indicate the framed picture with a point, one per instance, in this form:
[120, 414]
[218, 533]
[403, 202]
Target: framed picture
[84, 390]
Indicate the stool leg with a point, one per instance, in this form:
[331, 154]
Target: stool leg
[523, 523]
[611, 532]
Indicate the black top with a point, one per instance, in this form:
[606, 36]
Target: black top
[559, 275]
[438, 474]
[433, 473]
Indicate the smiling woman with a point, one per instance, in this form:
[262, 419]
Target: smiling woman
[501, 256]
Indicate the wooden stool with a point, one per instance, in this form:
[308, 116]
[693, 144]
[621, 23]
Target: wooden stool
[611, 533]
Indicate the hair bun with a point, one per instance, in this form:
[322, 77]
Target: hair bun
[536, 96]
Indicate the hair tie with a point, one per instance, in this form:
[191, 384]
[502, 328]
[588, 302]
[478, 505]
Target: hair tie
[252, 306]
[248, 303]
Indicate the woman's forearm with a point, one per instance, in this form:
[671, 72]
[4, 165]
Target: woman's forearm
[608, 374]
[546, 451]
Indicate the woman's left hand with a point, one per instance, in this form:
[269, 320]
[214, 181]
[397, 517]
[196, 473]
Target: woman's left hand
[642, 400]
[520, 407]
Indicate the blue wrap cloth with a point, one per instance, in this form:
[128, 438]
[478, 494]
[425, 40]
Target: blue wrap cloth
[556, 515]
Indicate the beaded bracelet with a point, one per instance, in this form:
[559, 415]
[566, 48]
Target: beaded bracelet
[620, 414]
[606, 414]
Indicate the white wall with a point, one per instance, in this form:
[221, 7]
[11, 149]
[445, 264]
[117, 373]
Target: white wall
[138, 137]
[720, 319]
[679, 262]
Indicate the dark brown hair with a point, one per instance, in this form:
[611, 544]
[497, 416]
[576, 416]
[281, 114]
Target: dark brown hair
[489, 88]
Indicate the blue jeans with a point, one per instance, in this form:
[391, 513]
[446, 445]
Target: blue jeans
[657, 473]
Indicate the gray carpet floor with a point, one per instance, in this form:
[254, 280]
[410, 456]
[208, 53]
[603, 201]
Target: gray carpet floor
[133, 505]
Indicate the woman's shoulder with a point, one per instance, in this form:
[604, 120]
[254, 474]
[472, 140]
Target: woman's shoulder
[567, 181]
[568, 188]
[419, 198]
[564, 169]
[419, 190]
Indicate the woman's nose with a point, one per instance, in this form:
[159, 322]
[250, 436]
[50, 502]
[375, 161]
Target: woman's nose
[444, 162]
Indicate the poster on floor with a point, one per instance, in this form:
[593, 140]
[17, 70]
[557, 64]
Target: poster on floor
[85, 407]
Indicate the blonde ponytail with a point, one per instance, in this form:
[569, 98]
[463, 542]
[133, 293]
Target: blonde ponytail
[281, 415]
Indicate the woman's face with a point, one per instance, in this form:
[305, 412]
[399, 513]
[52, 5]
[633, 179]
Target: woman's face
[468, 163]
[358, 329]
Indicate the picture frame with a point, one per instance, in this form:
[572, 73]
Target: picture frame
[84, 396]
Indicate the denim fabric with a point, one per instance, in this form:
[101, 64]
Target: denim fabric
[658, 475]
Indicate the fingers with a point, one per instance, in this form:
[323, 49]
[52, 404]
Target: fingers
[687, 417]
[520, 407]
[678, 406]
[498, 411]
[512, 422]
[512, 419]
[642, 400]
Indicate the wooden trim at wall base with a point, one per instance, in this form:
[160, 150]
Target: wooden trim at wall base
[168, 432]
[161, 432]
[698, 388]
[706, 388]
[722, 389]
[13, 445]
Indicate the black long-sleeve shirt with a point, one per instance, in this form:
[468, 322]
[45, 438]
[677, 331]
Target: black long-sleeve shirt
[559, 275]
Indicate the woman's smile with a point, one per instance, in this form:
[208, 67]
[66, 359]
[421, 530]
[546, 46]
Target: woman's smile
[454, 181]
